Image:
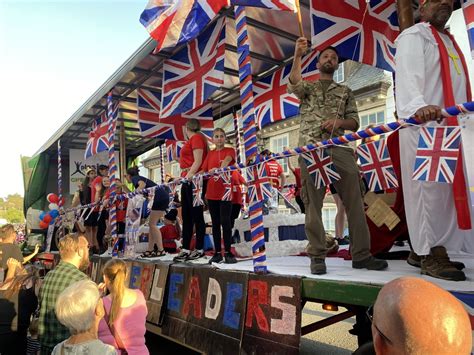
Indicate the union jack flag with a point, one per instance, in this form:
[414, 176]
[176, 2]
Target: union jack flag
[468, 10]
[437, 154]
[152, 125]
[173, 149]
[320, 167]
[197, 191]
[173, 22]
[467, 300]
[226, 179]
[272, 100]
[260, 186]
[195, 72]
[283, 5]
[375, 163]
[99, 135]
[359, 30]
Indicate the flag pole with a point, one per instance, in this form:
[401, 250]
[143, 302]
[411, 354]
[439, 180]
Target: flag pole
[300, 20]
[250, 136]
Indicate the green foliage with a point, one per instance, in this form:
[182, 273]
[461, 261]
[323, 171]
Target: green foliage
[11, 208]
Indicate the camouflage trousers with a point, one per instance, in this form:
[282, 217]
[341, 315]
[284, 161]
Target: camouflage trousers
[349, 189]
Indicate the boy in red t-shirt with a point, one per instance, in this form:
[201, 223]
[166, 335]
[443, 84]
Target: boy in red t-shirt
[171, 231]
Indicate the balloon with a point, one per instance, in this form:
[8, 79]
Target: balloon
[53, 206]
[52, 198]
[41, 216]
[63, 201]
[52, 222]
[54, 213]
[48, 218]
[43, 225]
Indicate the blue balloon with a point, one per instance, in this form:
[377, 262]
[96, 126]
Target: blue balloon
[54, 213]
[41, 216]
[52, 221]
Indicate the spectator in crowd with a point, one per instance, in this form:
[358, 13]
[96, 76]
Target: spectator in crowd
[18, 302]
[277, 178]
[74, 253]
[123, 325]
[327, 110]
[193, 154]
[161, 203]
[80, 308]
[32, 343]
[297, 173]
[8, 248]
[218, 199]
[87, 197]
[171, 231]
[414, 316]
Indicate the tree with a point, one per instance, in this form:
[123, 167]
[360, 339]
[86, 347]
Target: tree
[14, 216]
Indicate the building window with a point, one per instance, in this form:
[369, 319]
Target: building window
[339, 74]
[277, 145]
[175, 170]
[329, 214]
[375, 118]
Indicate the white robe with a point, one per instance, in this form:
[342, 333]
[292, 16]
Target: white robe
[429, 207]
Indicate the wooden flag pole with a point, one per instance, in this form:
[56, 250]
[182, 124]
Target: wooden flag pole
[300, 20]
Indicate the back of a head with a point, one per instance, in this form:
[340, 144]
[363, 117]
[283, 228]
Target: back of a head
[69, 245]
[193, 125]
[7, 233]
[76, 306]
[116, 272]
[421, 318]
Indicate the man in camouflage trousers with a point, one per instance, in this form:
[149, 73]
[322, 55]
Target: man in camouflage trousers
[327, 109]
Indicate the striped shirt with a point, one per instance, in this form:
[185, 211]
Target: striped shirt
[51, 332]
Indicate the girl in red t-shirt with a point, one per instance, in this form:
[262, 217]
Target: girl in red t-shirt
[220, 207]
[192, 156]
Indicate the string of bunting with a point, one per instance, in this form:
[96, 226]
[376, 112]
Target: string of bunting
[458, 109]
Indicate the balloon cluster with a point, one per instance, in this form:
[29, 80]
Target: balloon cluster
[47, 218]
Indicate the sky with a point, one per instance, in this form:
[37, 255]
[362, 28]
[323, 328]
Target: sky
[54, 55]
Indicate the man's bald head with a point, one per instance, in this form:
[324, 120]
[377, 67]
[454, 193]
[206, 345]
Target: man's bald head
[419, 317]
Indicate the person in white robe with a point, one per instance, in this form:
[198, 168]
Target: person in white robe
[430, 212]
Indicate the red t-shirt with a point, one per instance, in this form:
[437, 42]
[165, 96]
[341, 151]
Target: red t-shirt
[274, 171]
[297, 173]
[215, 185]
[237, 181]
[169, 233]
[186, 160]
[96, 181]
[120, 205]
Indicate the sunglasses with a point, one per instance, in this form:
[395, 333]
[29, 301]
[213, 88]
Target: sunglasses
[370, 316]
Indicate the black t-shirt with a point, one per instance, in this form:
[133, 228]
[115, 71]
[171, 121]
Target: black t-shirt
[15, 313]
[137, 178]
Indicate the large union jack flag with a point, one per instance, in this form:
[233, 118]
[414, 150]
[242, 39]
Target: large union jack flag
[468, 10]
[320, 167]
[193, 74]
[152, 125]
[173, 22]
[197, 191]
[282, 5]
[376, 165]
[272, 100]
[99, 135]
[173, 149]
[259, 184]
[437, 154]
[360, 30]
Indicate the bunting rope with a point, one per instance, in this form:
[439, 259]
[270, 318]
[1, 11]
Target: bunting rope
[250, 135]
[456, 110]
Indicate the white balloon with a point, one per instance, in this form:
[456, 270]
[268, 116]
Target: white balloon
[53, 206]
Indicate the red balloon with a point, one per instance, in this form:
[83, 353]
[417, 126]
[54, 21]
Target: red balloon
[43, 224]
[47, 218]
[52, 198]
